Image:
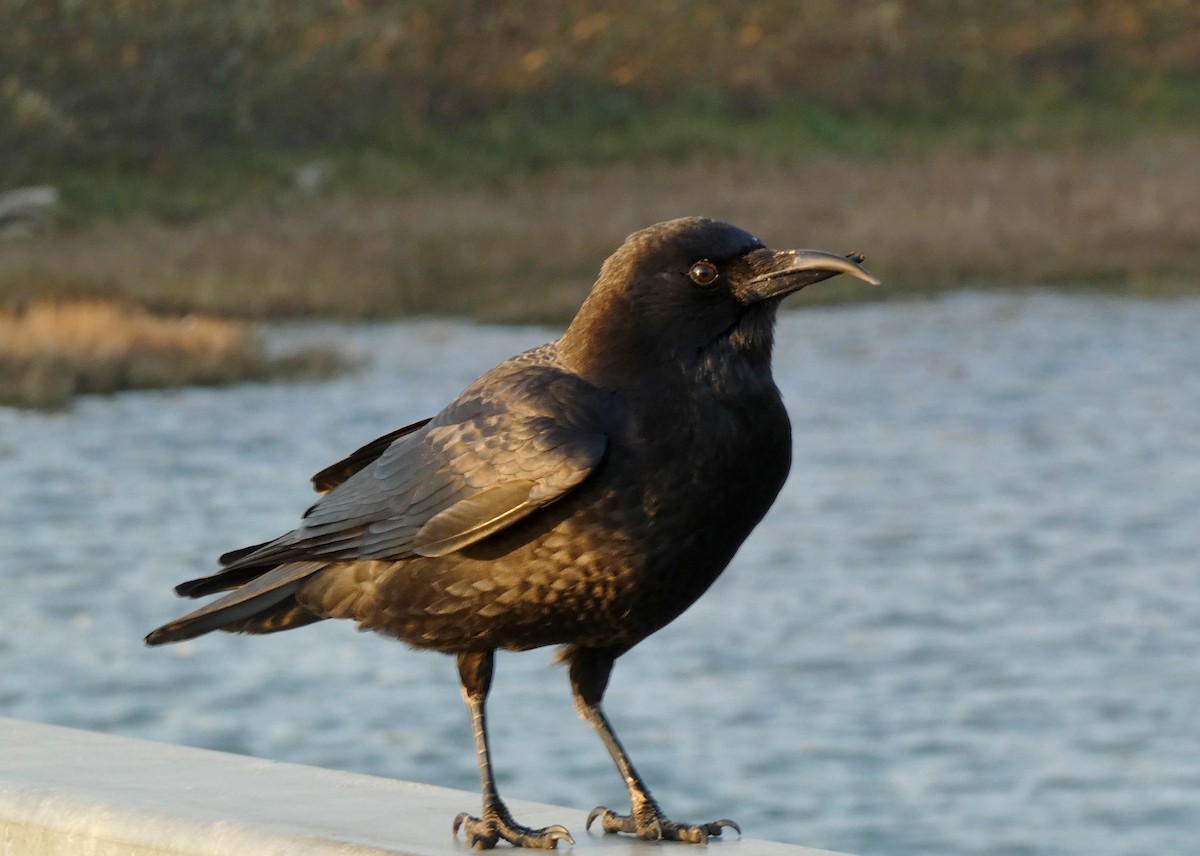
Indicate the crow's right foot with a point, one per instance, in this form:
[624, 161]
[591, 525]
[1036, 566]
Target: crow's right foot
[496, 823]
[651, 825]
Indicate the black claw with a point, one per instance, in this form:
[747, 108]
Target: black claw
[610, 821]
[714, 828]
[607, 818]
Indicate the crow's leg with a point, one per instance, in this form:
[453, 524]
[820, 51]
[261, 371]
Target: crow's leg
[590, 669]
[475, 673]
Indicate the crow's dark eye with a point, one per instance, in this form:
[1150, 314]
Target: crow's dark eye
[703, 273]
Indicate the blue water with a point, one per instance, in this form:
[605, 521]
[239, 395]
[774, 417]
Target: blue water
[970, 625]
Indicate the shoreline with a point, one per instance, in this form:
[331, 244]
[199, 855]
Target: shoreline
[1118, 218]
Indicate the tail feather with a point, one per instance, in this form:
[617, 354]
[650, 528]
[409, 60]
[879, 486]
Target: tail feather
[263, 594]
[235, 555]
[221, 581]
[240, 567]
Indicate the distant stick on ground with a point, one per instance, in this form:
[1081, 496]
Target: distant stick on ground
[27, 209]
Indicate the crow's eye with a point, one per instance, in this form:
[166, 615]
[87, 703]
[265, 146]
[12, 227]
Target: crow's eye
[703, 273]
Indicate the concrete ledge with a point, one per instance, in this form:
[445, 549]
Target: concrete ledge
[77, 793]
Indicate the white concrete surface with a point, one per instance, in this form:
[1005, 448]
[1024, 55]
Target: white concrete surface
[78, 793]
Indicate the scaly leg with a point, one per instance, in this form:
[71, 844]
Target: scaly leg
[475, 673]
[590, 670]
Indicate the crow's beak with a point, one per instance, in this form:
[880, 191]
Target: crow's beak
[776, 273]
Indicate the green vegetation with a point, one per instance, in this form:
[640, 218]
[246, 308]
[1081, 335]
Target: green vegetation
[180, 107]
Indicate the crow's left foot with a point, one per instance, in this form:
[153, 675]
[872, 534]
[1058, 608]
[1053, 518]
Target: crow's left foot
[651, 825]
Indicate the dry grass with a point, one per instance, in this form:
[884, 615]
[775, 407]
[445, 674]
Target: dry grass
[1124, 216]
[52, 350]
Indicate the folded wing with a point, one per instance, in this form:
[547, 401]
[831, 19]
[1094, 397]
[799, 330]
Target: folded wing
[497, 454]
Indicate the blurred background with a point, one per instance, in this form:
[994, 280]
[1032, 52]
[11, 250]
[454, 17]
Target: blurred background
[373, 158]
[982, 634]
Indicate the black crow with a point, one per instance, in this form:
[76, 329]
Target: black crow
[581, 494]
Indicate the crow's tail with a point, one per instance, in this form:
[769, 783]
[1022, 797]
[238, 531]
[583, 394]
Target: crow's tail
[263, 604]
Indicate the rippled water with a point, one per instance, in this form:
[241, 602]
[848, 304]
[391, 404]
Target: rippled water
[971, 624]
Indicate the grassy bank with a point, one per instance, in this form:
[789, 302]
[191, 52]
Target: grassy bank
[1121, 216]
[52, 350]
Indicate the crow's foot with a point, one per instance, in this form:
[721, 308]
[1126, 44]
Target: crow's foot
[651, 825]
[496, 823]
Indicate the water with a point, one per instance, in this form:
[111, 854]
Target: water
[971, 624]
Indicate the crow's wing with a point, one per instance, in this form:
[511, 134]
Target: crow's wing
[323, 482]
[516, 441]
[520, 438]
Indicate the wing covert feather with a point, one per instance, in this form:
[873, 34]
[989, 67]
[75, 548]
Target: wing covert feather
[473, 518]
[335, 474]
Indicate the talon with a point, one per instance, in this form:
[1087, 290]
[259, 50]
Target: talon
[557, 833]
[610, 821]
[715, 827]
[479, 834]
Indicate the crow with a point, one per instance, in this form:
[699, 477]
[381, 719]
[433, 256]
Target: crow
[581, 494]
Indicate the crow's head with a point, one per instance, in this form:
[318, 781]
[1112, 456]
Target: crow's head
[675, 290]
